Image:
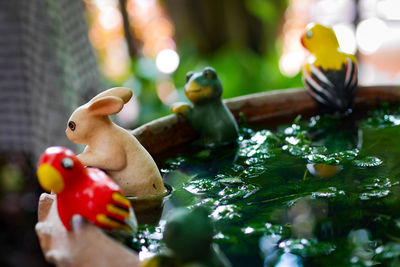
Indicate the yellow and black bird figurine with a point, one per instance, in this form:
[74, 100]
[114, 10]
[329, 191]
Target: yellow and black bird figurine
[329, 75]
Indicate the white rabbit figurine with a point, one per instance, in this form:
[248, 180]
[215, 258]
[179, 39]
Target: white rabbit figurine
[112, 148]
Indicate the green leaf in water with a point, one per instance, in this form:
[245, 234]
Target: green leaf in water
[388, 251]
[231, 180]
[373, 194]
[378, 183]
[266, 229]
[368, 162]
[200, 186]
[326, 159]
[307, 247]
[230, 193]
[379, 188]
[332, 159]
[346, 155]
[226, 212]
[254, 171]
[260, 144]
[175, 162]
[330, 192]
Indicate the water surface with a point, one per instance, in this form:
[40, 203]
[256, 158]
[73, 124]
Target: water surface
[317, 192]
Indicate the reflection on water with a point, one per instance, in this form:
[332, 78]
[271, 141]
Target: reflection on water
[315, 193]
[323, 170]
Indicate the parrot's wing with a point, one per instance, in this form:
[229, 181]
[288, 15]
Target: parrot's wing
[128, 232]
[119, 214]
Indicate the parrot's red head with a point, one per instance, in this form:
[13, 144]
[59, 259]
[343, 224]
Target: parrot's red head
[55, 167]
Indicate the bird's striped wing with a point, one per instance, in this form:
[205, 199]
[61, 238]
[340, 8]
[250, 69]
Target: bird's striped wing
[351, 75]
[119, 214]
[334, 89]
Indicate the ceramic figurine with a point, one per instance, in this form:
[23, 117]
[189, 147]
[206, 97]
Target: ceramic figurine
[112, 148]
[189, 235]
[88, 192]
[330, 75]
[208, 116]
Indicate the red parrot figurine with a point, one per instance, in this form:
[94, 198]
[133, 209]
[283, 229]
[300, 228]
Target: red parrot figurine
[89, 192]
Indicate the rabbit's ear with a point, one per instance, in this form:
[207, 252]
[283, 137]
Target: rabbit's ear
[122, 92]
[105, 106]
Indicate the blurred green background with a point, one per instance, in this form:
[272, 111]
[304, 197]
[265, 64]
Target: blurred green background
[241, 70]
[239, 38]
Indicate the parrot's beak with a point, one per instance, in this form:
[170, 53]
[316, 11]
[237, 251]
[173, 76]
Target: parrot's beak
[50, 179]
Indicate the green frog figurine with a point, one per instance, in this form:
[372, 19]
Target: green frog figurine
[188, 235]
[209, 116]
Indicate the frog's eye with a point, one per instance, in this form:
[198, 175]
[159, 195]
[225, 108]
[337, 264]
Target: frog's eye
[309, 34]
[188, 76]
[208, 73]
[67, 163]
[72, 125]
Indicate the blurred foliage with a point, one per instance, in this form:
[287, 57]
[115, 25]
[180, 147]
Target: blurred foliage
[11, 178]
[264, 10]
[241, 72]
[241, 68]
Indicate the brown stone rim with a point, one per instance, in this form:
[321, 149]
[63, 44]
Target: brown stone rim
[172, 131]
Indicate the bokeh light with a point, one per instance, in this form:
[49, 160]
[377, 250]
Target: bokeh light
[167, 92]
[116, 58]
[371, 34]
[151, 32]
[290, 63]
[346, 37]
[107, 37]
[151, 25]
[329, 12]
[110, 18]
[167, 61]
[293, 54]
[388, 9]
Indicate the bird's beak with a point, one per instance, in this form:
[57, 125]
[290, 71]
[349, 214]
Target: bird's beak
[50, 179]
[302, 41]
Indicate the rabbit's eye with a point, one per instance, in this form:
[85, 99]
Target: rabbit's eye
[72, 125]
[67, 163]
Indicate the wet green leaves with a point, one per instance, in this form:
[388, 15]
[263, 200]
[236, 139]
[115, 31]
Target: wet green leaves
[313, 191]
[368, 162]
